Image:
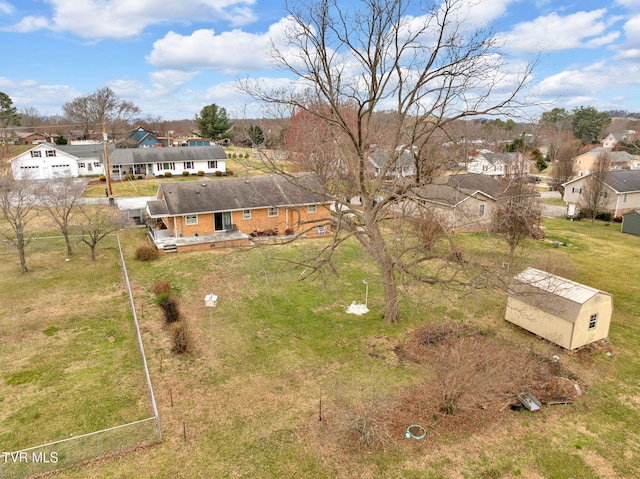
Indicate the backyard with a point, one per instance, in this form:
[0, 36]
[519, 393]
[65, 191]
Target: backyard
[300, 388]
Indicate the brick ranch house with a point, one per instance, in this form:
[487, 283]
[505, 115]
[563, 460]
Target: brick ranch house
[228, 212]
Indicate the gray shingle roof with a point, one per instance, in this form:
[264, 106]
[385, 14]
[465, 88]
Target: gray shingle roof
[623, 181]
[453, 189]
[85, 151]
[232, 194]
[614, 156]
[141, 156]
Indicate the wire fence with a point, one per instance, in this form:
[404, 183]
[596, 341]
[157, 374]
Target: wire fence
[68, 452]
[75, 450]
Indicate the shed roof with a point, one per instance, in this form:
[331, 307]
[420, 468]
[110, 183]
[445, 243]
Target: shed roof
[549, 292]
[232, 194]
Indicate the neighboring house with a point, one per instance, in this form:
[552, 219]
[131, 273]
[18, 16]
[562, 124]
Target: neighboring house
[631, 223]
[620, 160]
[498, 165]
[89, 157]
[612, 139]
[403, 166]
[43, 162]
[622, 192]
[141, 138]
[559, 310]
[28, 138]
[160, 161]
[462, 202]
[208, 213]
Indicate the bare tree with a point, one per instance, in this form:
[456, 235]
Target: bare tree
[425, 71]
[99, 221]
[518, 210]
[563, 162]
[595, 192]
[18, 201]
[61, 198]
[101, 106]
[30, 117]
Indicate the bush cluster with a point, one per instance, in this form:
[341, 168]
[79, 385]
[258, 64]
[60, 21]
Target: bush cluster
[172, 316]
[147, 252]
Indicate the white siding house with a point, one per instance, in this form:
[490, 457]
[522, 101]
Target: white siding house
[43, 162]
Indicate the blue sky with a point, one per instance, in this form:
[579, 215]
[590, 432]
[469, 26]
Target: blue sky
[172, 58]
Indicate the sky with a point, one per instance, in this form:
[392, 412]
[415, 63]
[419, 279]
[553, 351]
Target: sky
[172, 58]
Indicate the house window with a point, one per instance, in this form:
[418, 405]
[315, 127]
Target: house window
[166, 166]
[481, 210]
[593, 321]
[246, 214]
[188, 165]
[81, 165]
[212, 163]
[36, 154]
[577, 191]
[312, 209]
[624, 198]
[273, 211]
[320, 230]
[603, 194]
[191, 219]
[51, 153]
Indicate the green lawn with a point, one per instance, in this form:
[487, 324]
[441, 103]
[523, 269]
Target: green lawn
[69, 359]
[285, 352]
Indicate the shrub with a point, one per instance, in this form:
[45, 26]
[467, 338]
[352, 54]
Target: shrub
[171, 309]
[162, 287]
[185, 173]
[102, 178]
[218, 173]
[617, 219]
[167, 174]
[229, 172]
[147, 252]
[200, 173]
[140, 177]
[179, 337]
[246, 155]
[129, 177]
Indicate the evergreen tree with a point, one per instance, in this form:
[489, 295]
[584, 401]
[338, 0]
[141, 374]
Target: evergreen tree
[213, 122]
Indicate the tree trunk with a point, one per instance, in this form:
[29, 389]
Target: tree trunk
[391, 309]
[93, 252]
[21, 253]
[67, 240]
[377, 247]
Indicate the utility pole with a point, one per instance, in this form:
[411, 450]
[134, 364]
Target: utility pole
[107, 167]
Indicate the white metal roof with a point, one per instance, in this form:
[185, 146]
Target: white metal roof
[551, 283]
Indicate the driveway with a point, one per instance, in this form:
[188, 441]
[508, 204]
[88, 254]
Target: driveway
[552, 211]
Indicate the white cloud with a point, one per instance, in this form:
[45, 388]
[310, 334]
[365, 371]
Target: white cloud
[630, 50]
[229, 52]
[485, 12]
[29, 24]
[6, 8]
[120, 19]
[554, 32]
